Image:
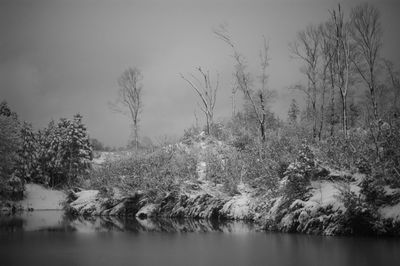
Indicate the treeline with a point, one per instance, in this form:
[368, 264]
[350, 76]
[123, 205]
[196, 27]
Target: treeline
[352, 92]
[53, 156]
[349, 84]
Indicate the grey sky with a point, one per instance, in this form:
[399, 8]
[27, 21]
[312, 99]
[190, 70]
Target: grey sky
[58, 58]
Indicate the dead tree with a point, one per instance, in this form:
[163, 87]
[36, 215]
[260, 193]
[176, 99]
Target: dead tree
[130, 97]
[207, 93]
[367, 33]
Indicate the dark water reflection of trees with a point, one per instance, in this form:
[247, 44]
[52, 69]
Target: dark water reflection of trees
[51, 238]
[59, 222]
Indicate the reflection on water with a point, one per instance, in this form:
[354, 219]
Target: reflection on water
[57, 221]
[50, 238]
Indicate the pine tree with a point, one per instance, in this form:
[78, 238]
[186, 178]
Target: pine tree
[28, 164]
[76, 148]
[57, 154]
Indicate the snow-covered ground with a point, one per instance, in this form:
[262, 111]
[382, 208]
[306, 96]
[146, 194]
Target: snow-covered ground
[106, 156]
[38, 197]
[391, 212]
[325, 193]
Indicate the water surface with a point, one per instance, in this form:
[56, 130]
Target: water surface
[50, 238]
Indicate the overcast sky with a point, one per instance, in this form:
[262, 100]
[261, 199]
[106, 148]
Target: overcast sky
[58, 58]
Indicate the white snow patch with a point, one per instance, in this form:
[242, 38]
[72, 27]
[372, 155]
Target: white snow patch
[358, 177]
[41, 198]
[326, 193]
[391, 212]
[391, 191]
[101, 159]
[106, 156]
[338, 173]
[84, 198]
[238, 207]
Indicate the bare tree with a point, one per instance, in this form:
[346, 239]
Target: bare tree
[207, 93]
[329, 52]
[130, 97]
[259, 98]
[367, 33]
[306, 47]
[325, 75]
[342, 60]
[222, 33]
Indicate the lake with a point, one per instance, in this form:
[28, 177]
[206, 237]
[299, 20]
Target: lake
[50, 238]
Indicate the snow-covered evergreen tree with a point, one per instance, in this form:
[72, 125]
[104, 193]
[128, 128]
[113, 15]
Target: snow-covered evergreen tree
[57, 154]
[76, 151]
[28, 164]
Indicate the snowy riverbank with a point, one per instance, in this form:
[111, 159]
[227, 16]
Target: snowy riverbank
[320, 211]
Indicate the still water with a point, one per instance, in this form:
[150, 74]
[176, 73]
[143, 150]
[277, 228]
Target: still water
[50, 238]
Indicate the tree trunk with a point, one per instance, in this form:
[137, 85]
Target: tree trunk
[263, 118]
[332, 103]
[321, 126]
[135, 132]
[233, 104]
[374, 103]
[207, 125]
[314, 107]
[344, 117]
[262, 130]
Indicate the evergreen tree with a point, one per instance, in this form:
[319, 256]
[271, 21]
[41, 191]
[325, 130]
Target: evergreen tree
[9, 143]
[77, 151]
[57, 154]
[28, 164]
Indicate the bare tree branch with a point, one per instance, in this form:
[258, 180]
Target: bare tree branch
[206, 92]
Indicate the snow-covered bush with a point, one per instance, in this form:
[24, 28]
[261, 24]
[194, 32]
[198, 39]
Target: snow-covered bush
[350, 153]
[191, 135]
[154, 173]
[372, 189]
[225, 166]
[359, 218]
[390, 152]
[299, 173]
